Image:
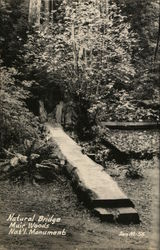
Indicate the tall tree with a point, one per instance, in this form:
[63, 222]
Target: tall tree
[14, 25]
[34, 11]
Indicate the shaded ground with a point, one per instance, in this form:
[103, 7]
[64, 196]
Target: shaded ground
[84, 231]
[136, 140]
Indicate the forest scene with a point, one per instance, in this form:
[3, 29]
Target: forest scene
[88, 69]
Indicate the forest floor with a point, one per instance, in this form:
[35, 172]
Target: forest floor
[83, 229]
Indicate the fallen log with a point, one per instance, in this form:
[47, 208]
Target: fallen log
[131, 125]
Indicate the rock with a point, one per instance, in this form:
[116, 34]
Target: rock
[62, 162]
[41, 166]
[52, 156]
[27, 143]
[22, 158]
[18, 159]
[51, 165]
[34, 156]
[14, 161]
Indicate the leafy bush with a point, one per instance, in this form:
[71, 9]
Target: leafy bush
[32, 164]
[87, 54]
[16, 122]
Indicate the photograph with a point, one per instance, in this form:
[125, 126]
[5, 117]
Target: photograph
[79, 124]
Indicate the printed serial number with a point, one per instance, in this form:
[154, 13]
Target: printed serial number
[132, 234]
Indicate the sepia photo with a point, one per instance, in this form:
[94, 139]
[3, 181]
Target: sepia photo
[79, 124]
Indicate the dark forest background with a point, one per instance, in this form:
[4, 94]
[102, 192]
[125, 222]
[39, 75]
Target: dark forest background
[101, 58]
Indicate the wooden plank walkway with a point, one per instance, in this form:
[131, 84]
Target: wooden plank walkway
[94, 185]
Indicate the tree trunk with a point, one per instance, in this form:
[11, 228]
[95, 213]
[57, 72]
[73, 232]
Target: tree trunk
[59, 109]
[34, 12]
[42, 111]
[158, 38]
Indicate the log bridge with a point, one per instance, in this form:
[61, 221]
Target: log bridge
[100, 192]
